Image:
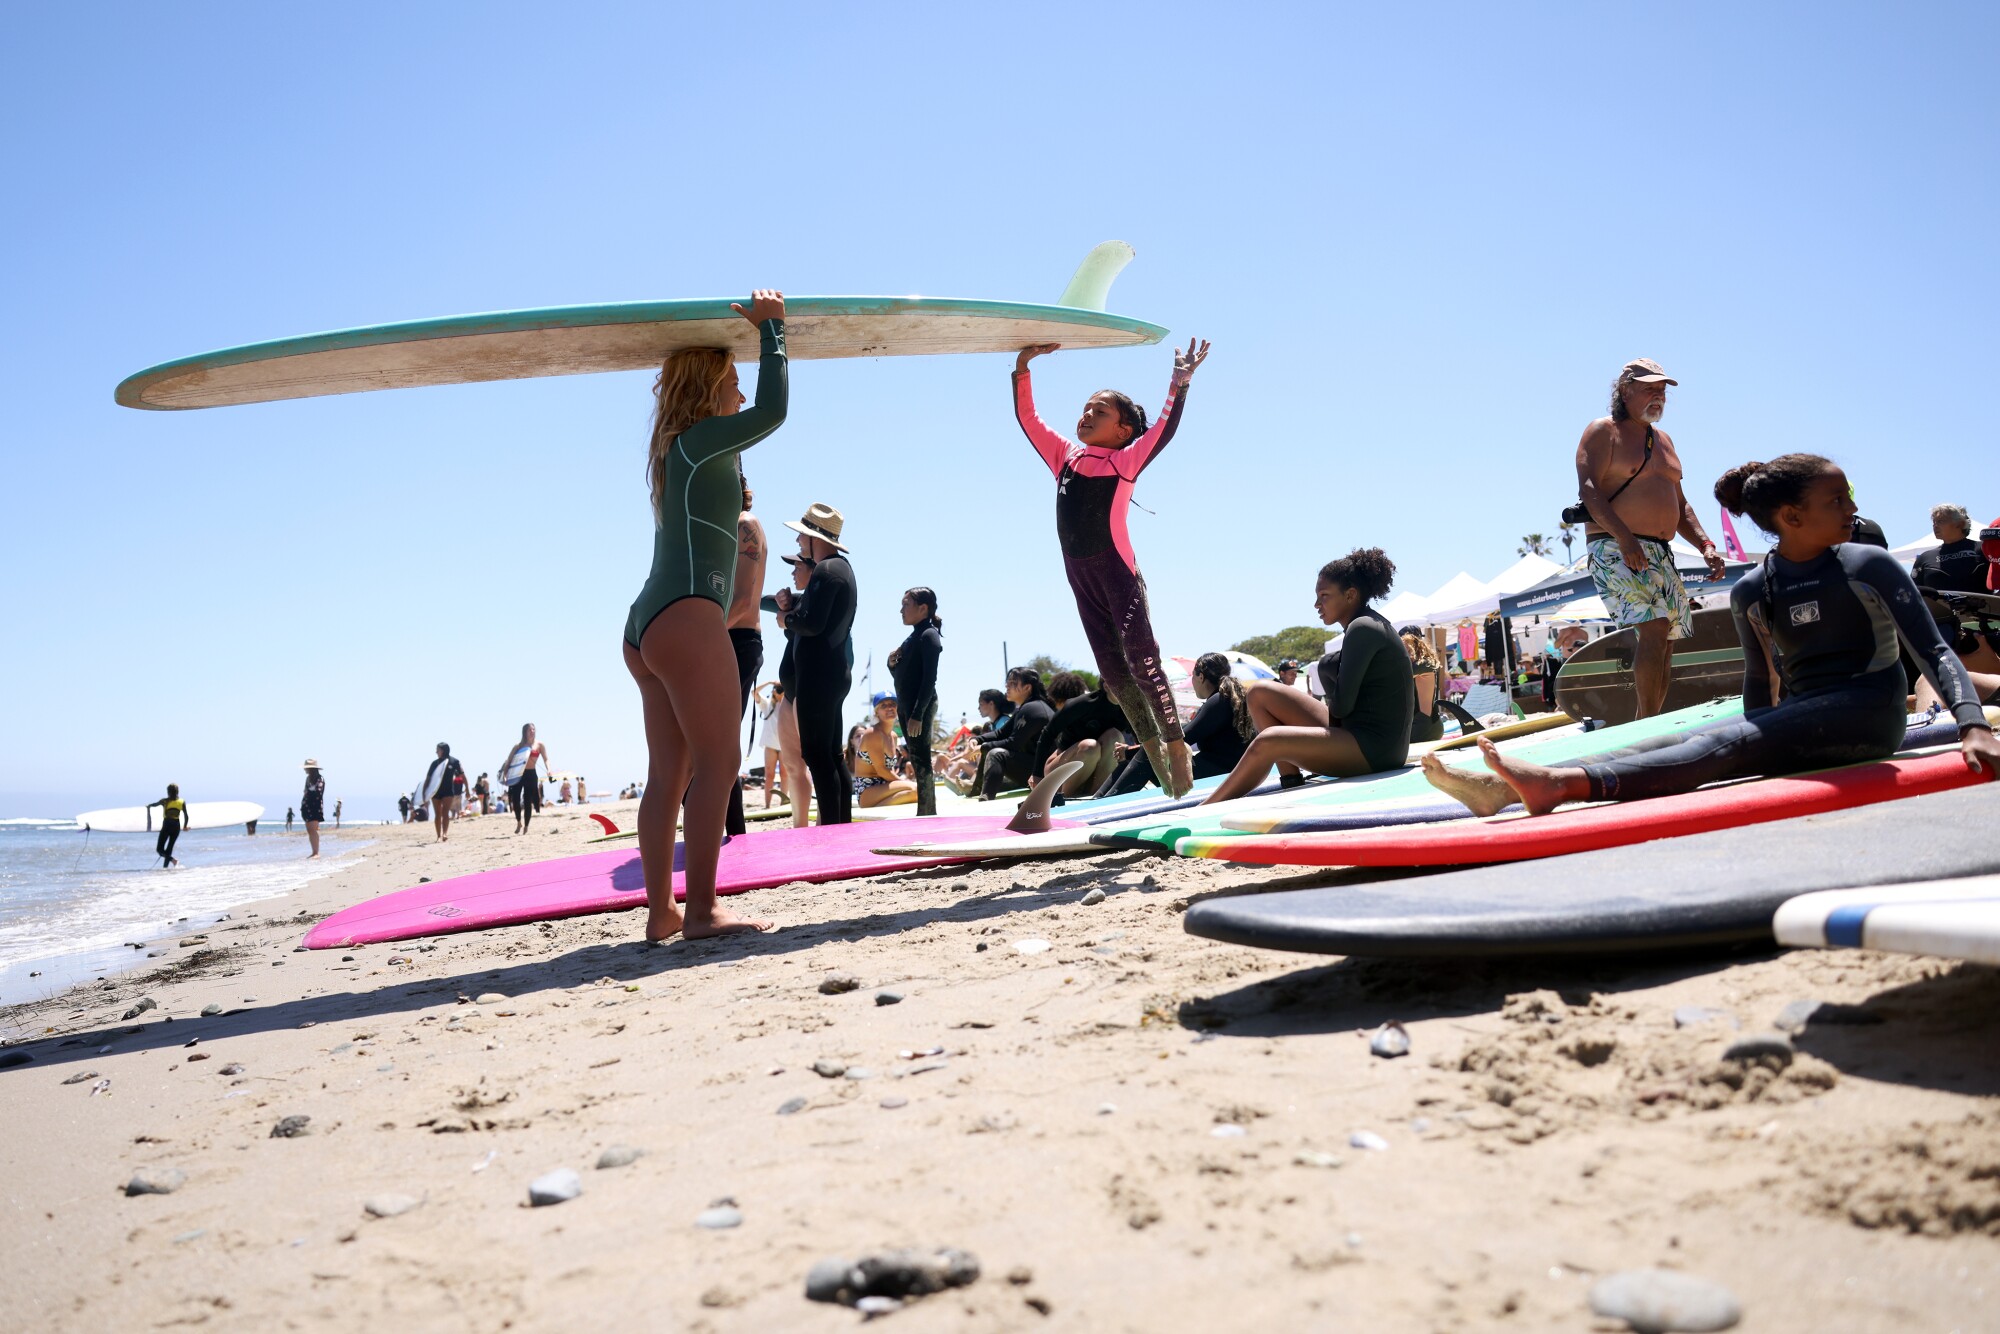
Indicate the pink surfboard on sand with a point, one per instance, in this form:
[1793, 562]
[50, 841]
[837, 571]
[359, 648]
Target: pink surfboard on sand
[611, 881]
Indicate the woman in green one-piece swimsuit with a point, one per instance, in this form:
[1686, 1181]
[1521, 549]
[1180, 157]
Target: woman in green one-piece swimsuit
[676, 644]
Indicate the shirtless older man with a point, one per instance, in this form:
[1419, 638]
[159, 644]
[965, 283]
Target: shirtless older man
[1629, 478]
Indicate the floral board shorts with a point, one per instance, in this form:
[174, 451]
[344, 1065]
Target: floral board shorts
[1633, 597]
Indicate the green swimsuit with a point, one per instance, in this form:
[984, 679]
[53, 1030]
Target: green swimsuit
[694, 548]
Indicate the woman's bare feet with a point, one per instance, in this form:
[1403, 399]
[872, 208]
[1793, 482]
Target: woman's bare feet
[720, 923]
[1541, 789]
[663, 925]
[1482, 794]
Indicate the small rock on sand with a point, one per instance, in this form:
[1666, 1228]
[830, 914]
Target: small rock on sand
[829, 1069]
[890, 1274]
[1760, 1047]
[1693, 1016]
[836, 984]
[156, 1181]
[210, 1010]
[888, 998]
[892, 1103]
[791, 1105]
[871, 1307]
[291, 1127]
[1031, 946]
[619, 1155]
[1367, 1139]
[79, 1078]
[719, 1216]
[1657, 1300]
[143, 1004]
[555, 1187]
[1390, 1040]
[489, 998]
[1093, 898]
[231, 1069]
[389, 1206]
[1315, 1158]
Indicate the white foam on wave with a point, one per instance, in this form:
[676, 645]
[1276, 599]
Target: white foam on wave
[60, 822]
[108, 909]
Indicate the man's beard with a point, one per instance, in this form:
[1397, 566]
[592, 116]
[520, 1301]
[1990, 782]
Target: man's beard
[1652, 412]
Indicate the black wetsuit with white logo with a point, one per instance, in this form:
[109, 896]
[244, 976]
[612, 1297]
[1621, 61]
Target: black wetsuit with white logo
[1835, 626]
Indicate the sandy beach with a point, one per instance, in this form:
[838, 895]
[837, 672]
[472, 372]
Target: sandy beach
[1131, 1129]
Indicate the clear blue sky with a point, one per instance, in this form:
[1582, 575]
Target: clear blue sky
[1422, 241]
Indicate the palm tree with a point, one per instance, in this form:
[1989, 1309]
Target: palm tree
[1568, 531]
[1534, 544]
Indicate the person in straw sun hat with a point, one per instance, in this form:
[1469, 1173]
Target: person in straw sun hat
[821, 619]
[312, 806]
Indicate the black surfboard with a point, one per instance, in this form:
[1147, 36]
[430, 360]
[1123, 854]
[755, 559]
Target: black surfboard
[1718, 888]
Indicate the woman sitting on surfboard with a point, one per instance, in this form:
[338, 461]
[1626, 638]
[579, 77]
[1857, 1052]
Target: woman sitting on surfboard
[676, 645]
[1827, 611]
[1095, 475]
[1363, 725]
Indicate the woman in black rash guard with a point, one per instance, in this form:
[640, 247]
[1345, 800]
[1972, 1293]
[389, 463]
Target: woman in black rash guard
[914, 666]
[1363, 726]
[1831, 611]
[1086, 730]
[1011, 764]
[1221, 729]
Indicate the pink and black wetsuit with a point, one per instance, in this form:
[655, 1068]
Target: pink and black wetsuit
[1093, 487]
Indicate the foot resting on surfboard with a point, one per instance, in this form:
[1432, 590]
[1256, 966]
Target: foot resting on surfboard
[1480, 793]
[1540, 789]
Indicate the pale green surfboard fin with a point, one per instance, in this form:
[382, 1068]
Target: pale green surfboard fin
[1090, 286]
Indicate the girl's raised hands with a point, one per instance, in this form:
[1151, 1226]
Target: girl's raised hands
[1186, 362]
[765, 304]
[1031, 351]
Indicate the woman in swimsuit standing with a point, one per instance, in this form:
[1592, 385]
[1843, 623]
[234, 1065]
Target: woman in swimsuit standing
[518, 776]
[676, 639]
[1094, 481]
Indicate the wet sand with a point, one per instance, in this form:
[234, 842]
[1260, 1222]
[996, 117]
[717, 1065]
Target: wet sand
[1148, 1130]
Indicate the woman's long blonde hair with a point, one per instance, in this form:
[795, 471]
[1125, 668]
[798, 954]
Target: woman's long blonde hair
[683, 393]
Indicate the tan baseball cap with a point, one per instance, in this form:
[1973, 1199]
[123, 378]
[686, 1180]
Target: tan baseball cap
[1644, 370]
[821, 521]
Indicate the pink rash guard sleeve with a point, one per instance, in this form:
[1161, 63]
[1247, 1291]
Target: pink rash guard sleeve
[1053, 448]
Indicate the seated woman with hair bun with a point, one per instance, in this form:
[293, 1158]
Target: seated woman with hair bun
[1363, 726]
[1823, 683]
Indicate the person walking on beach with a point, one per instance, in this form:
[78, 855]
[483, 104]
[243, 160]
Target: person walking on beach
[173, 813]
[288, 819]
[518, 776]
[403, 804]
[336, 815]
[1629, 479]
[1819, 622]
[746, 634]
[1095, 475]
[822, 618]
[677, 637]
[443, 784]
[913, 665]
[312, 806]
[483, 789]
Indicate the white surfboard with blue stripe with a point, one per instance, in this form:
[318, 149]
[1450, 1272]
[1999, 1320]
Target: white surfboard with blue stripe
[1951, 919]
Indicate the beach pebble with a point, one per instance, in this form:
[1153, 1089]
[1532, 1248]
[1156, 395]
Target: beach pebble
[554, 1187]
[619, 1155]
[1367, 1139]
[1032, 946]
[1656, 1300]
[489, 998]
[143, 1004]
[1315, 1158]
[388, 1206]
[980, 948]
[718, 1216]
[888, 998]
[837, 984]
[862, 1072]
[1390, 1040]
[1760, 1047]
[210, 1010]
[156, 1181]
[291, 1127]
[1228, 1130]
[194, 1056]
[893, 1103]
[791, 1105]
[231, 1069]
[890, 1274]
[829, 1069]
[1107, 1109]
[10, 1059]
[79, 1078]
[1693, 1016]
[827, 1279]
[871, 1307]
[1093, 898]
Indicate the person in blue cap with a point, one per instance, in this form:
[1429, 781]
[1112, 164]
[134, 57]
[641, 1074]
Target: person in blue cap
[877, 776]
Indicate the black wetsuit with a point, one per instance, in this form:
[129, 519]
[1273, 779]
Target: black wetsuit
[1835, 624]
[1371, 691]
[822, 620]
[1955, 567]
[1214, 731]
[915, 674]
[1085, 718]
[1012, 764]
[171, 811]
[749, 646]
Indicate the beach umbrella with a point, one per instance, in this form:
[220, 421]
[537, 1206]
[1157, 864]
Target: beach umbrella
[1180, 677]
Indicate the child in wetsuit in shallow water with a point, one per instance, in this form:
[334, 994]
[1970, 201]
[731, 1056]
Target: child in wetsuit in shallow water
[1827, 613]
[1095, 475]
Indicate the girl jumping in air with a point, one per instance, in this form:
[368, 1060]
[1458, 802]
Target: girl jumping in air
[1095, 475]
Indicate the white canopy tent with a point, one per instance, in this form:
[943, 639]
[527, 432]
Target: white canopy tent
[1523, 573]
[1909, 551]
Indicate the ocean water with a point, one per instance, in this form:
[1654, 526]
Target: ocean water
[65, 893]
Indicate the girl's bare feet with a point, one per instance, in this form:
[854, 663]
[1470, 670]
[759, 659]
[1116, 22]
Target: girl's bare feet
[1541, 789]
[663, 925]
[720, 923]
[1482, 794]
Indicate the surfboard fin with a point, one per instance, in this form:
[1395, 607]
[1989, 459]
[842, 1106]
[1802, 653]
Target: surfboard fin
[1032, 816]
[604, 823]
[1090, 286]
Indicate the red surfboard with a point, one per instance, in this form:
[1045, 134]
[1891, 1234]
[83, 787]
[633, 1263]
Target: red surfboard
[1504, 838]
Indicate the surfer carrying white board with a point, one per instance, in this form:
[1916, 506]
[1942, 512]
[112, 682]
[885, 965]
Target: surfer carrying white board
[173, 812]
[519, 777]
[677, 637]
[1822, 682]
[444, 789]
[1363, 724]
[1095, 475]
